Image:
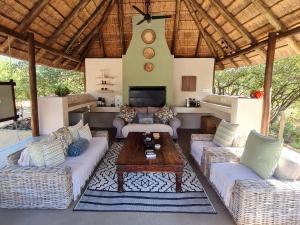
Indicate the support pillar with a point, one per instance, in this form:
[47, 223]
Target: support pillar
[265, 125]
[33, 85]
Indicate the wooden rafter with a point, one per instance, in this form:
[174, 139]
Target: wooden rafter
[26, 22]
[67, 21]
[276, 23]
[23, 37]
[94, 32]
[233, 21]
[101, 43]
[198, 44]
[176, 26]
[211, 21]
[211, 43]
[69, 48]
[121, 25]
[261, 44]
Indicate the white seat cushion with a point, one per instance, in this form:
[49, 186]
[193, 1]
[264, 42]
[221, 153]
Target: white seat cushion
[224, 175]
[197, 149]
[83, 165]
[135, 127]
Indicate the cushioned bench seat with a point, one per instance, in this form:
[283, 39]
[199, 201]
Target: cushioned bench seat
[135, 127]
[82, 166]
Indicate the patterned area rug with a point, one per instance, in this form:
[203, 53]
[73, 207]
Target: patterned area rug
[144, 192]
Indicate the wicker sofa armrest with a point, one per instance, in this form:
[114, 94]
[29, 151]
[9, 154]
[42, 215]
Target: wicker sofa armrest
[265, 202]
[35, 187]
[13, 158]
[218, 155]
[202, 137]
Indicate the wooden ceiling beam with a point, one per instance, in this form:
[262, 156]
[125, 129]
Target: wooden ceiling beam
[26, 22]
[211, 43]
[198, 44]
[69, 48]
[261, 44]
[276, 23]
[233, 21]
[176, 26]
[23, 37]
[211, 21]
[63, 26]
[101, 43]
[121, 25]
[99, 26]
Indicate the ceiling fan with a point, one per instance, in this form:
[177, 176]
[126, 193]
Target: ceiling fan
[147, 15]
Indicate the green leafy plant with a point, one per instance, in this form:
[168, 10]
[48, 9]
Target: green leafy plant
[62, 90]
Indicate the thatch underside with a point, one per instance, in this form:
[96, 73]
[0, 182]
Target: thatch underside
[95, 28]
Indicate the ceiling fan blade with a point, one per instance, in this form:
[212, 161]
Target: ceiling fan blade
[137, 9]
[143, 20]
[161, 17]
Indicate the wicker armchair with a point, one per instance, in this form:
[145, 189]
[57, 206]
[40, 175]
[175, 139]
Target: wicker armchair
[34, 187]
[260, 201]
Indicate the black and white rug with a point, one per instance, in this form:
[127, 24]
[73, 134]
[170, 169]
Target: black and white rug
[144, 192]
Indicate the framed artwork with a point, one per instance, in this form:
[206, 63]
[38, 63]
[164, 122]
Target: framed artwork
[188, 83]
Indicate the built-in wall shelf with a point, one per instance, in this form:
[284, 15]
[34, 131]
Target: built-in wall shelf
[219, 107]
[106, 92]
[189, 109]
[105, 109]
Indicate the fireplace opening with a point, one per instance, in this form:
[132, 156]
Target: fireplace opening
[141, 96]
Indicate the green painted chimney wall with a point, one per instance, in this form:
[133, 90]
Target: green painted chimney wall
[133, 62]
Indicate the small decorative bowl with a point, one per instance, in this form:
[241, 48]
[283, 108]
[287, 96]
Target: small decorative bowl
[157, 146]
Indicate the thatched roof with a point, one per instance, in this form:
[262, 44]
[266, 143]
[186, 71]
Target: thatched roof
[102, 28]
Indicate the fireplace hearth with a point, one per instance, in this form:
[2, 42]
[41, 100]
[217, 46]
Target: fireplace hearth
[143, 96]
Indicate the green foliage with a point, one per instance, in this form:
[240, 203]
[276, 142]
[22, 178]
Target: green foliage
[285, 91]
[47, 78]
[62, 90]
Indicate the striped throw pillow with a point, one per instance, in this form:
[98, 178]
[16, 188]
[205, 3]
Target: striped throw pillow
[74, 130]
[225, 134]
[53, 153]
[85, 132]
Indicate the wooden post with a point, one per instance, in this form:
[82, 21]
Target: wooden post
[268, 84]
[33, 86]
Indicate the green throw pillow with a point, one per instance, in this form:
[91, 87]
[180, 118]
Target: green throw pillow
[261, 154]
[225, 134]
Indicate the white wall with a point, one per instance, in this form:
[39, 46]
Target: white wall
[202, 68]
[93, 69]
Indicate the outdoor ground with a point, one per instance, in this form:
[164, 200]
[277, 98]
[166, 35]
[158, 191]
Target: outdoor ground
[68, 217]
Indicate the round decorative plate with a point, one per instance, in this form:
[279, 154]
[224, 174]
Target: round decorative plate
[148, 36]
[148, 53]
[148, 67]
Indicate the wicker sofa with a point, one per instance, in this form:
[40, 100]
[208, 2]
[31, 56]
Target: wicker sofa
[44, 187]
[249, 198]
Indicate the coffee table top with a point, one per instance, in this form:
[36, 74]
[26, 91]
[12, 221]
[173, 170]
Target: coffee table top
[133, 151]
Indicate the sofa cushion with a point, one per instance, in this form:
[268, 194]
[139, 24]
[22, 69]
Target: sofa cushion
[224, 175]
[153, 109]
[74, 130]
[63, 134]
[127, 113]
[82, 166]
[133, 127]
[53, 153]
[145, 118]
[261, 154]
[25, 159]
[288, 167]
[197, 149]
[36, 154]
[225, 134]
[85, 132]
[165, 114]
[141, 109]
[78, 147]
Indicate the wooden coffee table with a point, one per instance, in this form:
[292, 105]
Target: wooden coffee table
[132, 158]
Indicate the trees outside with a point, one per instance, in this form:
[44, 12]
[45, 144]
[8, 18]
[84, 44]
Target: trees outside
[285, 91]
[47, 78]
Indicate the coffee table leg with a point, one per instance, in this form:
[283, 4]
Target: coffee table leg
[178, 181]
[120, 181]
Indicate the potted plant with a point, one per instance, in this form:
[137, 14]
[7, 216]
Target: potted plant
[62, 90]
